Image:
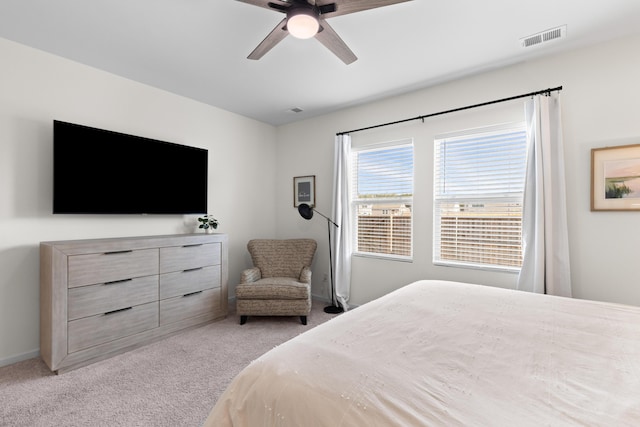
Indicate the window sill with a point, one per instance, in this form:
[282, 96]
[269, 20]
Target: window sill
[383, 257]
[502, 269]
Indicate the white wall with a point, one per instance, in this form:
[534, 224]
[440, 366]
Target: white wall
[600, 108]
[35, 89]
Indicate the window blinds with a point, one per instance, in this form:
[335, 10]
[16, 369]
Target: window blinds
[478, 189]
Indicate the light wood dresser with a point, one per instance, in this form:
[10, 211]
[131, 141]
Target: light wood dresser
[102, 297]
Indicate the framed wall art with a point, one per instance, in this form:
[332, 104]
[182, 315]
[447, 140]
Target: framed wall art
[615, 178]
[304, 190]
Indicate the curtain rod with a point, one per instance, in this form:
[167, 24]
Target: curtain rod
[540, 92]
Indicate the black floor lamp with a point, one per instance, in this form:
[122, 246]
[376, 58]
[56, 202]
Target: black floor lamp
[306, 212]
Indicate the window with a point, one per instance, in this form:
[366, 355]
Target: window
[382, 199]
[479, 185]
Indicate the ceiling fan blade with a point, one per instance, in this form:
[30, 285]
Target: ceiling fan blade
[275, 36]
[334, 43]
[345, 7]
[327, 8]
[278, 5]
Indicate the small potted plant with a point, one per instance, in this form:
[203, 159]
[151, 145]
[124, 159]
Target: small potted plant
[208, 223]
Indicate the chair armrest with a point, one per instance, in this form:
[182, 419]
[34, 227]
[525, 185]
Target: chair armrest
[250, 275]
[305, 275]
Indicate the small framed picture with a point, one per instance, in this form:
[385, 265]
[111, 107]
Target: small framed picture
[615, 178]
[304, 190]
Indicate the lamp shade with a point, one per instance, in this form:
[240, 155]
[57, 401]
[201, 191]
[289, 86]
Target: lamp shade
[305, 211]
[302, 22]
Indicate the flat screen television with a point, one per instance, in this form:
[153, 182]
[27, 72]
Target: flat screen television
[96, 171]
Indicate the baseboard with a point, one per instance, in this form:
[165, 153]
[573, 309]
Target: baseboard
[19, 358]
[320, 298]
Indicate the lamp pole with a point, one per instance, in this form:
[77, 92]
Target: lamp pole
[306, 212]
[334, 308]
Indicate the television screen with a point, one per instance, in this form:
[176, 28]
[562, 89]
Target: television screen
[97, 171]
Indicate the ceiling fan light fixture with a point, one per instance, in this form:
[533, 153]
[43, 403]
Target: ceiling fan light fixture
[302, 23]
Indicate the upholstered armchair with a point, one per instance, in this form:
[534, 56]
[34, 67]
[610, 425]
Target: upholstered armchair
[279, 284]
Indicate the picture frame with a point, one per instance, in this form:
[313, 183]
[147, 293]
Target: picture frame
[304, 190]
[615, 178]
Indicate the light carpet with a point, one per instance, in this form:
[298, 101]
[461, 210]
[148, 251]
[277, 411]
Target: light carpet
[172, 382]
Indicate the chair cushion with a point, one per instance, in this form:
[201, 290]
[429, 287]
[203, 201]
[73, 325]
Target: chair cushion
[273, 288]
[282, 258]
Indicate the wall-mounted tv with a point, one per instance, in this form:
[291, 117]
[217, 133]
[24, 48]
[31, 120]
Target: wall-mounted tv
[96, 171]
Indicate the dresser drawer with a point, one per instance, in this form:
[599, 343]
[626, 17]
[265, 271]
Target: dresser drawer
[91, 331]
[190, 305]
[104, 267]
[87, 301]
[188, 281]
[179, 258]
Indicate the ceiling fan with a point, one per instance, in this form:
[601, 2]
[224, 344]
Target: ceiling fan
[307, 18]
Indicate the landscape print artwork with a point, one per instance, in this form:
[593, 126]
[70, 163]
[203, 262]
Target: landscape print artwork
[615, 178]
[622, 179]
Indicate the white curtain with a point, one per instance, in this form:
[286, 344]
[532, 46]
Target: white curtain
[341, 215]
[545, 266]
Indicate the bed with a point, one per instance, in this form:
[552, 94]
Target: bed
[438, 353]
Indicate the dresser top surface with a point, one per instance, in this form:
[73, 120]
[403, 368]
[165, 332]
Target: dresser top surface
[134, 242]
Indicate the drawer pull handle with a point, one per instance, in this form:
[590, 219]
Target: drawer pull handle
[117, 252]
[192, 293]
[191, 246]
[117, 311]
[114, 282]
[192, 269]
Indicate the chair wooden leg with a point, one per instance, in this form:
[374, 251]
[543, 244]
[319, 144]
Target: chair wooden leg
[303, 319]
[243, 320]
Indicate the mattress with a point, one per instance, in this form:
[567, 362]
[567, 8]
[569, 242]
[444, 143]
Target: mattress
[438, 353]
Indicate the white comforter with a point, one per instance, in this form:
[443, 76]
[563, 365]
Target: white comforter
[437, 353]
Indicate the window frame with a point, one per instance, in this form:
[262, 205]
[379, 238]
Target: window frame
[506, 197]
[355, 201]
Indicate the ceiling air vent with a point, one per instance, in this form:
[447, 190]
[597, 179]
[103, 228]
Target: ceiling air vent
[545, 36]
